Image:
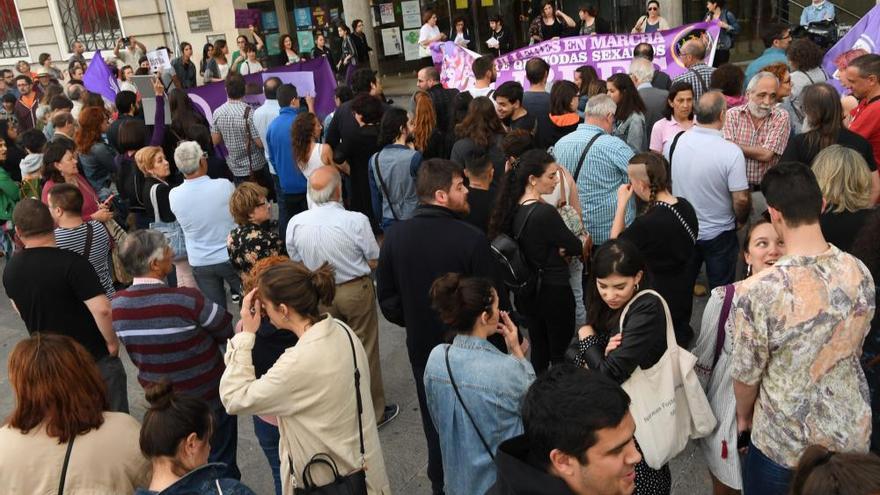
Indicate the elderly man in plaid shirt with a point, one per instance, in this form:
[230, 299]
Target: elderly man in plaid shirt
[761, 129]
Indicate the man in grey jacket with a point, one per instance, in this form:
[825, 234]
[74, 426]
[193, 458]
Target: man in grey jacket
[642, 73]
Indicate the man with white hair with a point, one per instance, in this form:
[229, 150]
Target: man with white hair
[328, 233]
[698, 73]
[598, 161]
[641, 71]
[761, 130]
[201, 205]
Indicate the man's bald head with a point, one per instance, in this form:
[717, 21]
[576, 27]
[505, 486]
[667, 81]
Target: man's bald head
[427, 77]
[325, 185]
[693, 52]
[710, 108]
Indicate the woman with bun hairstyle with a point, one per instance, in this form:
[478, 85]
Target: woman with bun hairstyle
[318, 407]
[823, 472]
[473, 389]
[176, 437]
[60, 406]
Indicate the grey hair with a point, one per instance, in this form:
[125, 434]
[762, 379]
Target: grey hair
[642, 70]
[709, 107]
[600, 106]
[753, 82]
[139, 249]
[321, 196]
[187, 157]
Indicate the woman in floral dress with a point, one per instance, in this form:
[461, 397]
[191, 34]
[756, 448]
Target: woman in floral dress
[256, 236]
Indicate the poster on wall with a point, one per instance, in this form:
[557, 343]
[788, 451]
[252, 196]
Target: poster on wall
[270, 20]
[412, 16]
[302, 17]
[334, 14]
[387, 12]
[246, 17]
[486, 3]
[272, 43]
[319, 16]
[411, 44]
[461, 4]
[391, 41]
[306, 41]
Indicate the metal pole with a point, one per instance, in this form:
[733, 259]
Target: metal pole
[172, 24]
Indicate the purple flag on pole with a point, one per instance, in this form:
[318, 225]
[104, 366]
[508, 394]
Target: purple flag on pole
[99, 79]
[862, 39]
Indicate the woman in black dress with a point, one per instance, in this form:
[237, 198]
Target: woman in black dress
[359, 38]
[616, 348]
[547, 244]
[665, 235]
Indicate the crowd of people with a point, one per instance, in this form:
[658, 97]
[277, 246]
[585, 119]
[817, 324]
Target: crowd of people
[541, 246]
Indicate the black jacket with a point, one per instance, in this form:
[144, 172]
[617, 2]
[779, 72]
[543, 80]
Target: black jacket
[516, 476]
[505, 44]
[435, 241]
[661, 80]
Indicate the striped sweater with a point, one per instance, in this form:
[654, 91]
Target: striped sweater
[174, 333]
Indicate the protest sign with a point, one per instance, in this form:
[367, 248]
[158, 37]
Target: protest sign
[607, 53]
[862, 39]
[246, 17]
[159, 60]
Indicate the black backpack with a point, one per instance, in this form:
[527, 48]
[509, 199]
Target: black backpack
[519, 276]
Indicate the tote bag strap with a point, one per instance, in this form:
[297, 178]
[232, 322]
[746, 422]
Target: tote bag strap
[722, 321]
[671, 343]
[155, 203]
[64, 466]
[90, 235]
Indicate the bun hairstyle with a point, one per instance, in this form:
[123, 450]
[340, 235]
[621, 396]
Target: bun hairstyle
[823, 472]
[300, 289]
[657, 170]
[513, 186]
[169, 420]
[461, 300]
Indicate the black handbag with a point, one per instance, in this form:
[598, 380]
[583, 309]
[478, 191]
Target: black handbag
[352, 484]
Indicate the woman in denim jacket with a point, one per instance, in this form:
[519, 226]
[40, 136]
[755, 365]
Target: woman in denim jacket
[474, 390]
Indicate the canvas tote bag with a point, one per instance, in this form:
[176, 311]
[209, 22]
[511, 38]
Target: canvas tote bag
[667, 403]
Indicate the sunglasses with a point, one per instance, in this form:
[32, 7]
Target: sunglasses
[653, 8]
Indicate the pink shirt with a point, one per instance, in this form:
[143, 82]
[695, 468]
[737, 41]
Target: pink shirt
[663, 131]
[90, 199]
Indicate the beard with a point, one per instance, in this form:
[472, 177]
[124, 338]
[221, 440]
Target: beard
[760, 111]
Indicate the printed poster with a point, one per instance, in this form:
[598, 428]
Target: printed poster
[387, 12]
[411, 44]
[272, 43]
[303, 17]
[391, 41]
[246, 17]
[159, 60]
[270, 20]
[319, 15]
[306, 41]
[412, 15]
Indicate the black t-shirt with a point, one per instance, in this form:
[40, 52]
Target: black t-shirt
[555, 30]
[542, 236]
[841, 229]
[527, 122]
[49, 287]
[480, 201]
[798, 151]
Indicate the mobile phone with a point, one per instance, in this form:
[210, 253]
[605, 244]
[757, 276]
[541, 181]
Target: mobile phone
[744, 439]
[125, 40]
[109, 200]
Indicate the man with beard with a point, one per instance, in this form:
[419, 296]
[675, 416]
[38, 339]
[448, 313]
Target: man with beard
[435, 241]
[484, 76]
[761, 130]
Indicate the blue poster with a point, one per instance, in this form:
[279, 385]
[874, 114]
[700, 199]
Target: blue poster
[303, 17]
[306, 41]
[270, 21]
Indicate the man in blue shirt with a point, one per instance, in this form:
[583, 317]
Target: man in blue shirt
[776, 38]
[820, 10]
[280, 147]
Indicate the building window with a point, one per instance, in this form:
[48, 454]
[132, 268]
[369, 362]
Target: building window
[93, 22]
[12, 42]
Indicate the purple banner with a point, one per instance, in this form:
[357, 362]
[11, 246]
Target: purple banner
[607, 53]
[99, 79]
[244, 18]
[862, 39]
[210, 96]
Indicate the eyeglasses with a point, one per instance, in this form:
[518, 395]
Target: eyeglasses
[653, 8]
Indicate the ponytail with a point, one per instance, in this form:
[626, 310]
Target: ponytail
[532, 163]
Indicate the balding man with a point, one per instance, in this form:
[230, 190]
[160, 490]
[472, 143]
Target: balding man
[328, 233]
[429, 80]
[698, 73]
[761, 129]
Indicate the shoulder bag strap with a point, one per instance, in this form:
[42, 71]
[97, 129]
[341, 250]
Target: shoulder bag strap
[672, 147]
[577, 171]
[680, 218]
[155, 202]
[463, 406]
[722, 321]
[250, 139]
[563, 196]
[357, 390]
[699, 78]
[525, 221]
[378, 170]
[64, 466]
[90, 233]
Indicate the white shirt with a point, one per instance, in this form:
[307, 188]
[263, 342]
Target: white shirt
[426, 33]
[328, 232]
[202, 208]
[248, 67]
[477, 92]
[313, 164]
[264, 116]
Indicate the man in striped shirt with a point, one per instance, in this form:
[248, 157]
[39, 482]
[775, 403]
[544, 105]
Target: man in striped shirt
[604, 167]
[174, 334]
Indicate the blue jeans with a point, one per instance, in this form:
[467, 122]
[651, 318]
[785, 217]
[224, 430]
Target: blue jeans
[224, 443]
[269, 437]
[762, 476]
[210, 280]
[720, 255]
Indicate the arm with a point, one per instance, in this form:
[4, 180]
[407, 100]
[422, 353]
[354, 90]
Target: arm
[742, 205]
[390, 300]
[159, 125]
[216, 138]
[804, 17]
[638, 27]
[117, 47]
[746, 395]
[566, 18]
[213, 318]
[99, 307]
[558, 233]
[242, 393]
[757, 153]
[257, 40]
[139, 45]
[624, 193]
[326, 154]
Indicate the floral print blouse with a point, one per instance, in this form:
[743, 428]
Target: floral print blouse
[250, 243]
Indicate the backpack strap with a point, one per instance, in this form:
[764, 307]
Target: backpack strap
[577, 171]
[378, 171]
[699, 79]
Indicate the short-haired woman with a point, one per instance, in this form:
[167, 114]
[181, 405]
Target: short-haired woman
[679, 115]
[474, 390]
[176, 438]
[564, 116]
[256, 236]
[60, 404]
[304, 388]
[845, 183]
[393, 170]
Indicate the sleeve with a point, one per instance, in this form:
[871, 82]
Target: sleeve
[8, 186]
[732, 22]
[367, 241]
[736, 175]
[270, 154]
[635, 138]
[643, 330]
[159, 125]
[83, 279]
[728, 131]
[751, 348]
[636, 232]
[657, 137]
[414, 164]
[556, 232]
[233, 248]
[291, 245]
[779, 134]
[804, 17]
[623, 154]
[242, 393]
[868, 153]
[213, 318]
[791, 149]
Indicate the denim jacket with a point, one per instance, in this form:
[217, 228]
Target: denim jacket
[492, 384]
[203, 480]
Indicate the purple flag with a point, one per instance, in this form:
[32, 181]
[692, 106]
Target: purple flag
[607, 53]
[245, 18]
[862, 39]
[99, 79]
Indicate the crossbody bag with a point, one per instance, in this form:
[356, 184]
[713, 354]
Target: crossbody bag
[464, 406]
[384, 187]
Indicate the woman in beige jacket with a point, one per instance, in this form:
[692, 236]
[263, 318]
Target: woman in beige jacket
[311, 387]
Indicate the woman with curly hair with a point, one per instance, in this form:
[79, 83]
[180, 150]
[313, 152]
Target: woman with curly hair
[805, 60]
[426, 137]
[480, 132]
[307, 151]
[95, 156]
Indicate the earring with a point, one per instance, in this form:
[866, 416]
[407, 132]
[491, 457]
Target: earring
[636, 288]
[748, 271]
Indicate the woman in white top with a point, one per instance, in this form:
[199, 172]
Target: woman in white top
[429, 33]
[762, 247]
[651, 21]
[250, 65]
[218, 67]
[307, 151]
[304, 388]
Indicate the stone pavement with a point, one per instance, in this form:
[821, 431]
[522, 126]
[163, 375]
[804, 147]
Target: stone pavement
[402, 440]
